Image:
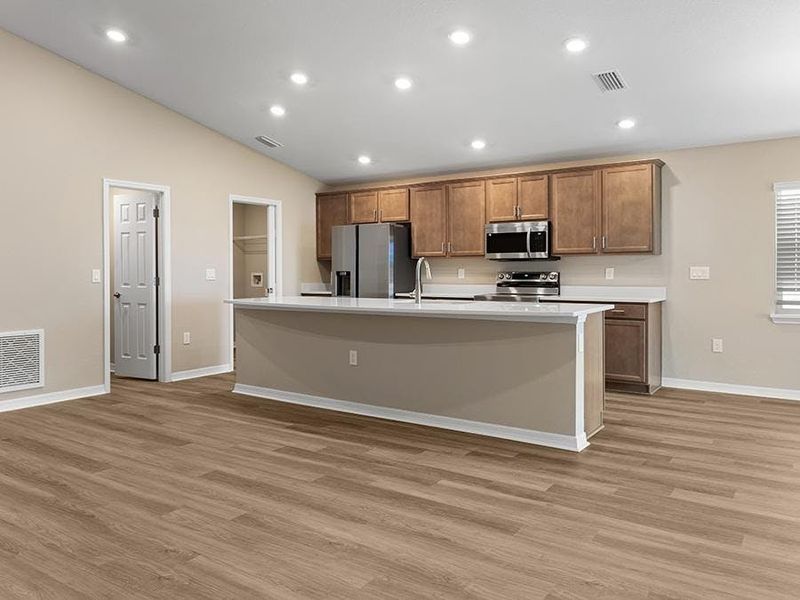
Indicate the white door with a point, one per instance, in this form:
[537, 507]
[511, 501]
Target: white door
[135, 317]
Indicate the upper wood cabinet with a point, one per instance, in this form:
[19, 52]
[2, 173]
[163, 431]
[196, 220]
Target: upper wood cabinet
[393, 205]
[517, 198]
[607, 208]
[428, 221]
[574, 207]
[331, 211]
[616, 209]
[364, 207]
[466, 210]
[533, 197]
[501, 199]
[630, 216]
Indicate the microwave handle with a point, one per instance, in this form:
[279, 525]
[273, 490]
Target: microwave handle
[528, 242]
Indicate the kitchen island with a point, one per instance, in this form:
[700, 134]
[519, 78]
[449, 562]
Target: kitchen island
[522, 371]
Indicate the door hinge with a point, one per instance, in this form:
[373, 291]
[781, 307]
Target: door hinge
[157, 349]
[157, 281]
[156, 212]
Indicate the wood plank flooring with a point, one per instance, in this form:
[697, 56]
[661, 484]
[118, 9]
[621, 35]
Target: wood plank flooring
[186, 491]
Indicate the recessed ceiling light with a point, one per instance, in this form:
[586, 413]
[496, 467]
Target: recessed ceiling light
[277, 110]
[626, 124]
[460, 37]
[575, 45]
[478, 144]
[299, 78]
[403, 83]
[364, 159]
[116, 35]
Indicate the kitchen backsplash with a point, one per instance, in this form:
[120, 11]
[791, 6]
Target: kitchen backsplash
[575, 270]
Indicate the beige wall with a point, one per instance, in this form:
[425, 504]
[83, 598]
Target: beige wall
[63, 130]
[717, 211]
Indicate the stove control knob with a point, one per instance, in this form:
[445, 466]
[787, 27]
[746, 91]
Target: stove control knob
[553, 276]
[501, 275]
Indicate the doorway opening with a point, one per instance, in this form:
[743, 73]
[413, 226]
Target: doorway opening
[254, 247]
[137, 281]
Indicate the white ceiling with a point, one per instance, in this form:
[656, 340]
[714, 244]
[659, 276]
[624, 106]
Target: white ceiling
[700, 72]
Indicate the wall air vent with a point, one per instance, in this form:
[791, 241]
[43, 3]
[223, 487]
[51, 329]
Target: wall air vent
[610, 81]
[269, 142]
[21, 360]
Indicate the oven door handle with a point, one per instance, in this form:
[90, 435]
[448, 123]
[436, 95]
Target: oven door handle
[528, 242]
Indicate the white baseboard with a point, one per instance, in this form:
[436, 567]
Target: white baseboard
[202, 372]
[528, 436]
[730, 388]
[51, 398]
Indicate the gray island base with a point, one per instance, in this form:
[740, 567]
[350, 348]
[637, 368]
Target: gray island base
[530, 373]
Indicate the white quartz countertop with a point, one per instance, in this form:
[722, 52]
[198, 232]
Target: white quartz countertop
[569, 293]
[551, 312]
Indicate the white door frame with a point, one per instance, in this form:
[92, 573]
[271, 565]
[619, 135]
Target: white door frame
[164, 298]
[274, 252]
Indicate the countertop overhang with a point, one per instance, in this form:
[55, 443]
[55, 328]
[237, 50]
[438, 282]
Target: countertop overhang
[550, 312]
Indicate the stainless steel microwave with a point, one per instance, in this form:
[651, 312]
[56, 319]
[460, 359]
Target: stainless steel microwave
[520, 240]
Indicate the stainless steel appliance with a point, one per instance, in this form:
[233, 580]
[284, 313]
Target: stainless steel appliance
[372, 260]
[524, 286]
[520, 240]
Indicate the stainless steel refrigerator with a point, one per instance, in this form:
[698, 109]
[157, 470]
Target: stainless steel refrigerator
[372, 260]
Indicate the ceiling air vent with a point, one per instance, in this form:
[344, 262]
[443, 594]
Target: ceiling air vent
[269, 142]
[21, 360]
[610, 81]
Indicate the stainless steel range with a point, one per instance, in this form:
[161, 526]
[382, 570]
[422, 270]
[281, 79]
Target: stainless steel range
[524, 286]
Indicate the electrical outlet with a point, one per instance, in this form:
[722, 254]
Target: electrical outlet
[353, 358]
[95, 275]
[462, 272]
[187, 337]
[699, 272]
[609, 272]
[716, 344]
[211, 274]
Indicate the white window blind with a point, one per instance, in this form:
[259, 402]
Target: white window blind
[787, 244]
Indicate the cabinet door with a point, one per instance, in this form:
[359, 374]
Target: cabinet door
[626, 350]
[428, 221]
[501, 199]
[364, 207]
[628, 205]
[331, 211]
[393, 205]
[574, 206]
[466, 218]
[532, 198]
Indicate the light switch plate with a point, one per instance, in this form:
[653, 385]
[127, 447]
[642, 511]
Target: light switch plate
[211, 274]
[187, 337]
[699, 272]
[462, 272]
[716, 344]
[353, 358]
[96, 276]
[609, 272]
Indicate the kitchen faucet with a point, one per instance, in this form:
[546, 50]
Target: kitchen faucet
[417, 293]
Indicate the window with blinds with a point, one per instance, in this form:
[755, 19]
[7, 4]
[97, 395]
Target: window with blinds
[787, 244]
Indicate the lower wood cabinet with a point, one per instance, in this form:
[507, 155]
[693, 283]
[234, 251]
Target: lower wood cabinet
[633, 347]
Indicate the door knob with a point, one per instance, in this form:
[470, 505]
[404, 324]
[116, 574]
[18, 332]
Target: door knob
[117, 294]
